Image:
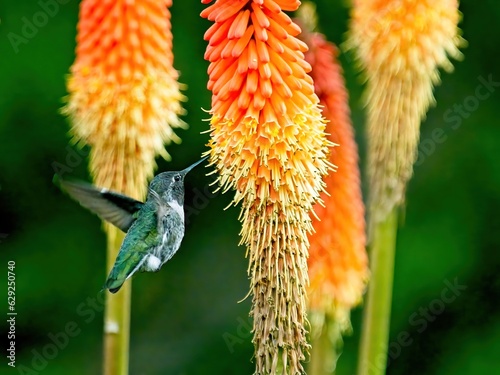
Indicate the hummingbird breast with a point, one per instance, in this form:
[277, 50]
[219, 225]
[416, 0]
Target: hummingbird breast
[171, 232]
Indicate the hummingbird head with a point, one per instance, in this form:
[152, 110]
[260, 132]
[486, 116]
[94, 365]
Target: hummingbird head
[170, 185]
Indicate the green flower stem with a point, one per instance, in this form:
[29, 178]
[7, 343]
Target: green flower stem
[324, 353]
[377, 313]
[116, 317]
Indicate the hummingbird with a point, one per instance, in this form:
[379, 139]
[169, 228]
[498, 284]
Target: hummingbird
[154, 229]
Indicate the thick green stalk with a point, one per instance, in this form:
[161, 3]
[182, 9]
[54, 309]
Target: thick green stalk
[117, 316]
[324, 348]
[377, 313]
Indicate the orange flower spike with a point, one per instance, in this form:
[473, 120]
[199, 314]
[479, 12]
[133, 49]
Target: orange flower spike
[124, 102]
[338, 263]
[400, 44]
[268, 143]
[123, 90]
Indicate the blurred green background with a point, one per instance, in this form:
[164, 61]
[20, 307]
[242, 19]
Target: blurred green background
[186, 319]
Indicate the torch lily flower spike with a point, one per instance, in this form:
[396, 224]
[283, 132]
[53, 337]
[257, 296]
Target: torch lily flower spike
[124, 102]
[268, 144]
[338, 263]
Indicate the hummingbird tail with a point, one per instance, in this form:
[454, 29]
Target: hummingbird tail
[114, 290]
[113, 285]
[119, 274]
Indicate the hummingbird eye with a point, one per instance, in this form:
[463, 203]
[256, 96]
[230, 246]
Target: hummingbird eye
[177, 177]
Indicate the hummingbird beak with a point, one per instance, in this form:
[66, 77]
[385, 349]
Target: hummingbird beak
[188, 169]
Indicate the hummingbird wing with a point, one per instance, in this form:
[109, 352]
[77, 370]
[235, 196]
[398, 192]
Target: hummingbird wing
[116, 208]
[139, 242]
